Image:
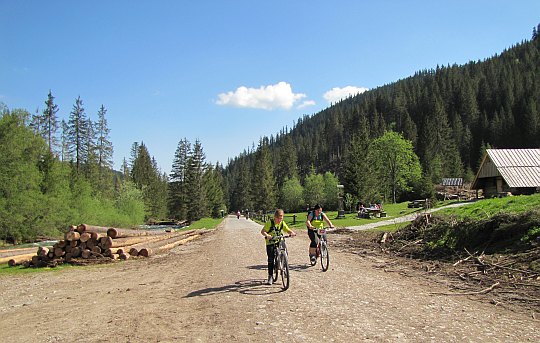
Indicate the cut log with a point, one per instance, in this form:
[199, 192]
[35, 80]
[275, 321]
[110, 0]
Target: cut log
[43, 251]
[91, 243]
[124, 256]
[86, 253]
[85, 236]
[72, 236]
[17, 251]
[35, 259]
[17, 258]
[134, 252]
[59, 252]
[96, 235]
[120, 233]
[106, 242]
[149, 241]
[76, 252]
[145, 252]
[96, 250]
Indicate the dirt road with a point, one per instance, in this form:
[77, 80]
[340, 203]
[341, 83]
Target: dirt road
[213, 290]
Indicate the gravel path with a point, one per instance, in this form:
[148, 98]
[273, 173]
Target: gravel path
[212, 290]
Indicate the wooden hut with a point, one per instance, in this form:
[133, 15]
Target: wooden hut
[508, 172]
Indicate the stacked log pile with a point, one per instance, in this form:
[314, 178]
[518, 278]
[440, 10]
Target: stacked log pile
[86, 244]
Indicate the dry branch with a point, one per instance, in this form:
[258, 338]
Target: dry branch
[484, 291]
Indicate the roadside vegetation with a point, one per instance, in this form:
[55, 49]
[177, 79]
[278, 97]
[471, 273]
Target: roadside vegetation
[506, 226]
[205, 223]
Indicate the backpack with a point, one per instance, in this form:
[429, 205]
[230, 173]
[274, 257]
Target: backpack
[276, 228]
[313, 215]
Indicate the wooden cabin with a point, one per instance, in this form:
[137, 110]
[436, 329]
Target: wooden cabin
[508, 172]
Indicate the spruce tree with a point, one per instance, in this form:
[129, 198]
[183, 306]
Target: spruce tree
[195, 187]
[263, 186]
[104, 150]
[78, 134]
[177, 188]
[50, 122]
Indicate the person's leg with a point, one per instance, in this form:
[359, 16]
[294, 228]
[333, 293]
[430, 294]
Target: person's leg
[270, 253]
[312, 244]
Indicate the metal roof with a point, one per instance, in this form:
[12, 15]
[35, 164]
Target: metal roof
[518, 167]
[456, 181]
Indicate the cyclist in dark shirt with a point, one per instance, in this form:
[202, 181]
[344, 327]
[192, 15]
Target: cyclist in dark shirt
[315, 220]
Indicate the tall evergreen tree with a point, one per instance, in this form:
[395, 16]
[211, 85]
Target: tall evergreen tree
[78, 134]
[213, 182]
[65, 154]
[104, 150]
[50, 122]
[177, 190]
[196, 192]
[263, 187]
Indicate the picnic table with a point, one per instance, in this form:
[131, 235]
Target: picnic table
[371, 212]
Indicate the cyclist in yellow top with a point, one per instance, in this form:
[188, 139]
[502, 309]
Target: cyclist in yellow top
[274, 227]
[315, 220]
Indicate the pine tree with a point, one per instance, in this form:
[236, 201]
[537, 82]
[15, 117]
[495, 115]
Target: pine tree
[104, 147]
[263, 187]
[213, 182]
[286, 161]
[65, 154]
[196, 192]
[50, 122]
[177, 188]
[78, 134]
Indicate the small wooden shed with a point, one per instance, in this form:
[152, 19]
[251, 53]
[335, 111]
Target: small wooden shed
[508, 171]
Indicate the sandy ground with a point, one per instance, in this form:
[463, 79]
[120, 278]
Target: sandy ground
[213, 289]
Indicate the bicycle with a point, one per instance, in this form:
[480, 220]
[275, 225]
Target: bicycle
[322, 250]
[281, 261]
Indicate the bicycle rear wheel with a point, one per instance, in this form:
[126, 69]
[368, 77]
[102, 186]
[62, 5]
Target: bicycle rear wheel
[285, 271]
[325, 257]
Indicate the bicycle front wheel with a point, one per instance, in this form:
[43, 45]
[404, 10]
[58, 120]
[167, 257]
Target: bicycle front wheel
[275, 272]
[325, 257]
[285, 271]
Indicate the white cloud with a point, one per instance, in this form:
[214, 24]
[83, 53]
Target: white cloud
[336, 93]
[278, 96]
[306, 104]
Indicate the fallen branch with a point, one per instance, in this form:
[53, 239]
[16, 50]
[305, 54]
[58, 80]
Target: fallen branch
[484, 291]
[411, 243]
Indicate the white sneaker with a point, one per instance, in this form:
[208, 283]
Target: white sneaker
[270, 280]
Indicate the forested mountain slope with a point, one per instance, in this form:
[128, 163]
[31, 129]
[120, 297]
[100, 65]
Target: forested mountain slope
[450, 114]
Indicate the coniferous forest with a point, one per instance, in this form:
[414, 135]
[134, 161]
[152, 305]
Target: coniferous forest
[389, 144]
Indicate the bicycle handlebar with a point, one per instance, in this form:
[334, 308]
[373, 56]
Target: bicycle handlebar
[278, 237]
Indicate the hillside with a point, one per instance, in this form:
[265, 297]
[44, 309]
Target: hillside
[450, 114]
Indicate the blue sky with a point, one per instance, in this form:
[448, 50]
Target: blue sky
[229, 72]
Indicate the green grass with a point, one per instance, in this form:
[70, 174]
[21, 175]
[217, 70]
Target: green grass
[19, 270]
[208, 223]
[351, 219]
[486, 208]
